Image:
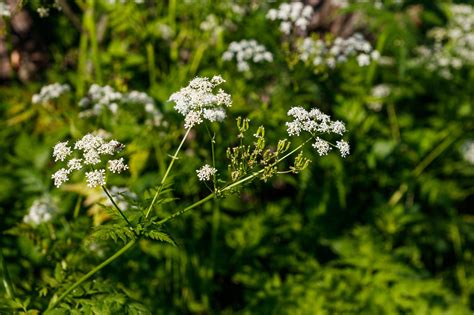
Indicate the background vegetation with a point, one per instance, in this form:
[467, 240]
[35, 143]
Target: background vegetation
[390, 229]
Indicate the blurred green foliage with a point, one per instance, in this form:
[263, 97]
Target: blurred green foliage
[389, 230]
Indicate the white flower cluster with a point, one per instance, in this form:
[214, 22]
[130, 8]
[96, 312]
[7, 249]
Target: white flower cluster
[316, 122]
[50, 92]
[43, 12]
[5, 9]
[121, 196]
[245, 51]
[100, 98]
[319, 53]
[42, 210]
[378, 4]
[154, 116]
[453, 45]
[467, 151]
[209, 24]
[378, 94]
[206, 172]
[90, 150]
[293, 15]
[197, 101]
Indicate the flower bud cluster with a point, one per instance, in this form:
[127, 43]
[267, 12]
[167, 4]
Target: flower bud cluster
[245, 51]
[90, 151]
[198, 101]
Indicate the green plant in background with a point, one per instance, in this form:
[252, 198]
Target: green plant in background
[386, 230]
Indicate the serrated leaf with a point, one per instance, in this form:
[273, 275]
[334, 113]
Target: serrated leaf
[160, 236]
[114, 232]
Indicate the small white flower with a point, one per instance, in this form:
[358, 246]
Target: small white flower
[322, 146]
[117, 166]
[338, 127]
[343, 147]
[91, 157]
[206, 172]
[60, 177]
[192, 119]
[285, 28]
[110, 147]
[291, 15]
[363, 60]
[467, 151]
[95, 178]
[293, 128]
[74, 164]
[214, 114]
[61, 151]
[42, 210]
[43, 12]
[5, 9]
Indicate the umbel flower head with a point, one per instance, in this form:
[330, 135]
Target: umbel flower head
[89, 152]
[206, 172]
[42, 210]
[293, 15]
[198, 101]
[50, 92]
[316, 122]
[246, 51]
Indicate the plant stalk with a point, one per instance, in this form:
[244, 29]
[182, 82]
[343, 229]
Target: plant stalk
[90, 274]
[118, 209]
[163, 180]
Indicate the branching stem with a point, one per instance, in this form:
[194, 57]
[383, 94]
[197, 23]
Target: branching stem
[163, 180]
[53, 304]
[118, 209]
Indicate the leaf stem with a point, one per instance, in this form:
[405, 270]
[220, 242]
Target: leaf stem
[173, 158]
[118, 209]
[90, 274]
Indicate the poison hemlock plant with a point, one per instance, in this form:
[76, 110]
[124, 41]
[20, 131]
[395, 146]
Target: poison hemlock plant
[197, 102]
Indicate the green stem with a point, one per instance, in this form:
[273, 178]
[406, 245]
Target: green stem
[81, 64]
[395, 198]
[262, 170]
[91, 273]
[150, 52]
[174, 215]
[163, 180]
[228, 187]
[93, 36]
[392, 117]
[7, 281]
[118, 209]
